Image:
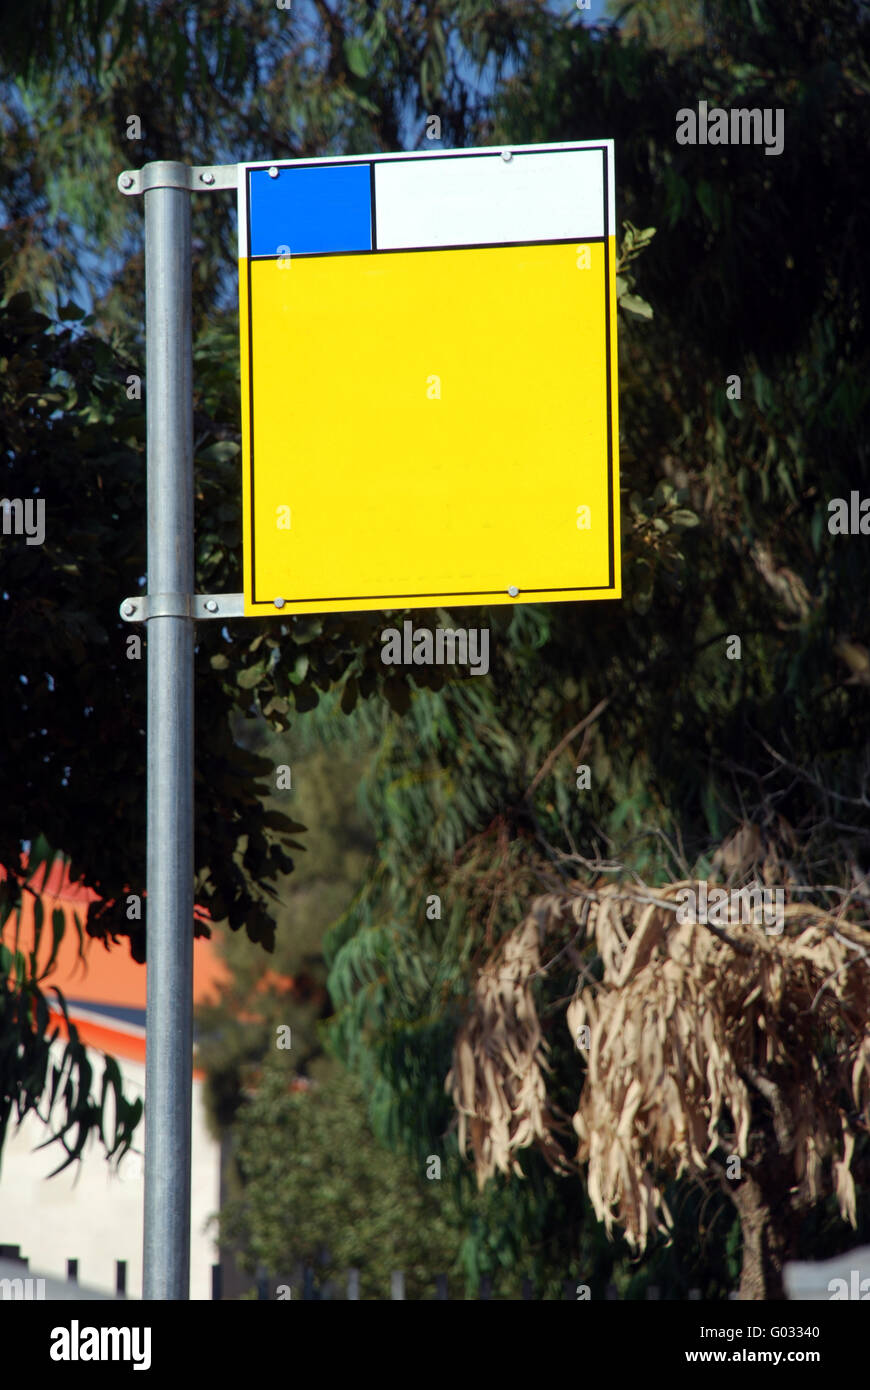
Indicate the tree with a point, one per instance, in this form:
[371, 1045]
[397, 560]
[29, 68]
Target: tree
[730, 1055]
[236, 68]
[742, 413]
[72, 418]
[238, 1033]
[328, 1197]
[106, 86]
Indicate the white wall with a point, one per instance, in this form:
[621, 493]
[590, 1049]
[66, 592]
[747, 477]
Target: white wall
[92, 1213]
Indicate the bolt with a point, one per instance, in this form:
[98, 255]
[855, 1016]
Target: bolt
[126, 180]
[129, 610]
[273, 172]
[207, 177]
[513, 591]
[211, 605]
[279, 602]
[506, 156]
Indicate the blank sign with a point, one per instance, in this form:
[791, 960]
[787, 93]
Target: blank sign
[489, 201]
[429, 381]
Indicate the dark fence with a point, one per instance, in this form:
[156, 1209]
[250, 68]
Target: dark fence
[348, 1289]
[17, 1282]
[270, 1287]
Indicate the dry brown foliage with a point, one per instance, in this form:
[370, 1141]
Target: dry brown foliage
[499, 1062]
[698, 1034]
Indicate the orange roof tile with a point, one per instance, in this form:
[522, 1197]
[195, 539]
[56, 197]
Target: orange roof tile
[105, 976]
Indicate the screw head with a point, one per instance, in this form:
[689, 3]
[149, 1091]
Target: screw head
[211, 605]
[126, 180]
[513, 591]
[129, 609]
[278, 602]
[207, 177]
[273, 172]
[507, 156]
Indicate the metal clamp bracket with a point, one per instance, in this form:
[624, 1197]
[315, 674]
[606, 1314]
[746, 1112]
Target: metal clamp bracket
[145, 606]
[166, 173]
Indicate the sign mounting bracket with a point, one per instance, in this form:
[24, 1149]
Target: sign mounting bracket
[204, 178]
[144, 606]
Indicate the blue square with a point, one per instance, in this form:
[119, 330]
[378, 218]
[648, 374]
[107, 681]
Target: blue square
[316, 208]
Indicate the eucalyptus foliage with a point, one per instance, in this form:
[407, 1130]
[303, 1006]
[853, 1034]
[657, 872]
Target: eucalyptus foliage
[725, 534]
[60, 1092]
[202, 83]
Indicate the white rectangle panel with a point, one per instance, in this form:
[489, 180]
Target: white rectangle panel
[483, 199]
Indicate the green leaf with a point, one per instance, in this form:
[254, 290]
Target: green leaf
[279, 820]
[785, 478]
[707, 199]
[220, 452]
[306, 628]
[398, 695]
[623, 810]
[635, 305]
[357, 57]
[251, 677]
[305, 698]
[350, 695]
[58, 922]
[709, 803]
[38, 918]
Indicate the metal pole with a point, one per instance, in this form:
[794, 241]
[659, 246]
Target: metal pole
[170, 628]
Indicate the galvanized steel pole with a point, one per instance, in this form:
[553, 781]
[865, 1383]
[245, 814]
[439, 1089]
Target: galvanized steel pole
[170, 628]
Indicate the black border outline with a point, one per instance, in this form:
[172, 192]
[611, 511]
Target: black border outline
[251, 552]
[425, 250]
[607, 308]
[401, 600]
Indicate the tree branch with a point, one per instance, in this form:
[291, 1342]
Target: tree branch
[563, 743]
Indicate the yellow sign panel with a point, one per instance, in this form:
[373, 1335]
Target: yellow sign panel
[429, 381]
